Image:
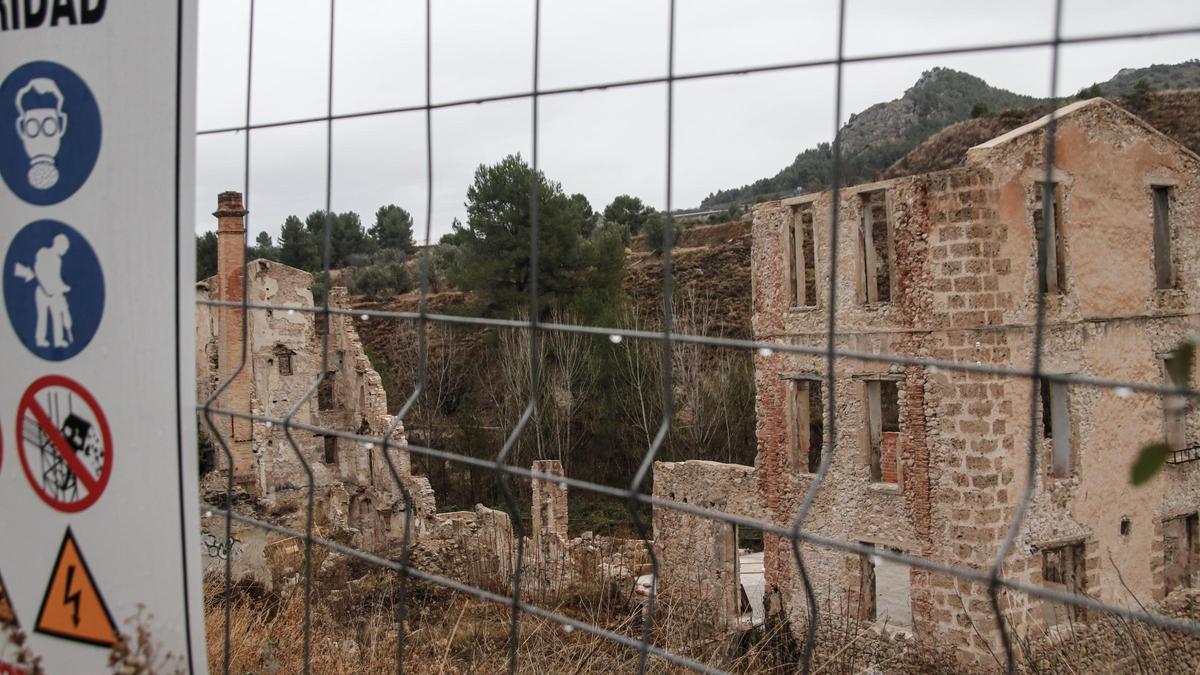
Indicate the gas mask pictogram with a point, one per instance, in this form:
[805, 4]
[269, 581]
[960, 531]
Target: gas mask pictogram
[41, 126]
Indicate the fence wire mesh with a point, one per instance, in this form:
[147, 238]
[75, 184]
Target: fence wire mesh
[633, 495]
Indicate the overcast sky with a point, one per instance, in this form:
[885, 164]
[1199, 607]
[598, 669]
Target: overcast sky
[728, 131]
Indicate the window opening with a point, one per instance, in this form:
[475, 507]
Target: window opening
[1056, 426]
[883, 425]
[1164, 267]
[807, 424]
[1063, 569]
[868, 608]
[1174, 408]
[876, 248]
[283, 360]
[802, 273]
[325, 393]
[1179, 551]
[1047, 215]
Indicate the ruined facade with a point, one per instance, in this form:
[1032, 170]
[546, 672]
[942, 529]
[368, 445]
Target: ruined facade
[356, 497]
[932, 463]
[702, 562]
[283, 359]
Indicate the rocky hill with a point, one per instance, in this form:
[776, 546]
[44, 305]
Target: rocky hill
[880, 136]
[941, 96]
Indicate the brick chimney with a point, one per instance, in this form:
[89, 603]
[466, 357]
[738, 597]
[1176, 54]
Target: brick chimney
[231, 247]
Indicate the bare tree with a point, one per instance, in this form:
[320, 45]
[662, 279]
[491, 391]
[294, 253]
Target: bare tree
[568, 377]
[699, 378]
[570, 380]
[639, 373]
[713, 387]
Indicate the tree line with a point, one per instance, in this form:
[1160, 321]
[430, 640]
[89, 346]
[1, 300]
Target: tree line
[580, 251]
[376, 254]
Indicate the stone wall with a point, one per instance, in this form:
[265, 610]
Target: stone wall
[480, 547]
[699, 556]
[293, 367]
[965, 289]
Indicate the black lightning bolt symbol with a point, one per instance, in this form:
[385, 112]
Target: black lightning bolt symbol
[70, 598]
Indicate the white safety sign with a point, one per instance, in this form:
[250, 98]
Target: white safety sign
[99, 531]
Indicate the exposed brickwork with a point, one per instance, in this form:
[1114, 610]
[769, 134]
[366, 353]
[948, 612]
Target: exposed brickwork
[232, 351]
[965, 289]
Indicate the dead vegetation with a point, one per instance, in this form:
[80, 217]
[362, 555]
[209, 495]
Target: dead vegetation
[354, 630]
[447, 632]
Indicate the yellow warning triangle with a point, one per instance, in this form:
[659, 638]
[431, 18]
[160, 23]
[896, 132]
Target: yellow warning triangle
[73, 608]
[7, 615]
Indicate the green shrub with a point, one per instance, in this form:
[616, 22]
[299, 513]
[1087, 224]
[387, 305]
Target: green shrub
[380, 278]
[655, 229]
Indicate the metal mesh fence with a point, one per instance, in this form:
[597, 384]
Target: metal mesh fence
[633, 495]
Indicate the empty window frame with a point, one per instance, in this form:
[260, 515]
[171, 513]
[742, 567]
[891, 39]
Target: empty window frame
[730, 571]
[806, 423]
[883, 429]
[1164, 264]
[801, 252]
[283, 359]
[1047, 216]
[1179, 551]
[1064, 569]
[1175, 408]
[875, 243]
[1056, 426]
[868, 607]
[325, 393]
[886, 589]
[330, 449]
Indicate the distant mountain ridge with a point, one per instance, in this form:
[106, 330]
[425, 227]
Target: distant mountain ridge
[885, 133]
[1184, 75]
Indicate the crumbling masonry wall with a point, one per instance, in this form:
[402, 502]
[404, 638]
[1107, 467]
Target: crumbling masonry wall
[699, 556]
[479, 547]
[284, 360]
[965, 285]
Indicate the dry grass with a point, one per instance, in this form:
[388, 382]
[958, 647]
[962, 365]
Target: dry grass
[354, 631]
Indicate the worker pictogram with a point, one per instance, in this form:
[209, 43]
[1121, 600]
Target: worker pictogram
[66, 448]
[7, 615]
[73, 607]
[53, 289]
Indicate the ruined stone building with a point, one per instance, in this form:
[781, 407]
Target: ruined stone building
[932, 462]
[283, 359]
[356, 496]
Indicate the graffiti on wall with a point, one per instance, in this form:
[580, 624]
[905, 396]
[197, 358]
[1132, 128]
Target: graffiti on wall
[215, 548]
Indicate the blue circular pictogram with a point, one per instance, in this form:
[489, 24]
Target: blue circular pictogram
[49, 132]
[53, 289]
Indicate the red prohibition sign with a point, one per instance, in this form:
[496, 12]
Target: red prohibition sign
[64, 443]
